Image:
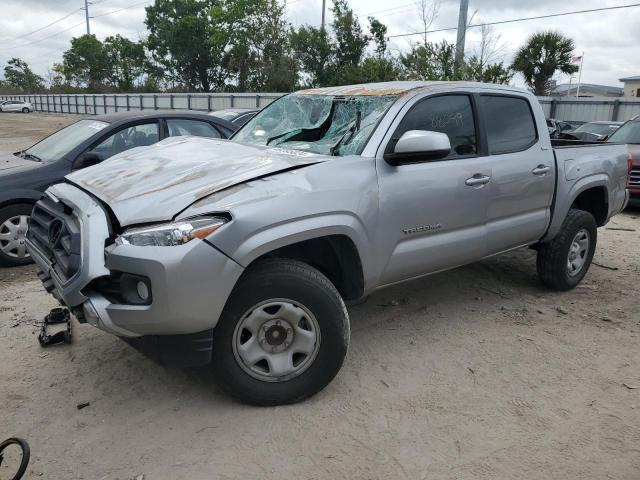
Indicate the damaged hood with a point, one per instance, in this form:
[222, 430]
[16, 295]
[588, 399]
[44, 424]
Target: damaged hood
[154, 183]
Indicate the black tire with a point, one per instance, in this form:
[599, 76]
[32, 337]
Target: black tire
[279, 278]
[5, 214]
[26, 454]
[553, 256]
[25, 110]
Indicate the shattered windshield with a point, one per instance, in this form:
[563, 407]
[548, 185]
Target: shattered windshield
[326, 124]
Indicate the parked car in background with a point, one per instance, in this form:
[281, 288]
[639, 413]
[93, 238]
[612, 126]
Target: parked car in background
[26, 174]
[323, 197]
[16, 106]
[629, 133]
[558, 127]
[592, 131]
[237, 116]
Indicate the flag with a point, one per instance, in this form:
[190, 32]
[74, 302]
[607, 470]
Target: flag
[576, 60]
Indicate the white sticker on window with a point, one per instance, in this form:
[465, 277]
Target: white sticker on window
[97, 125]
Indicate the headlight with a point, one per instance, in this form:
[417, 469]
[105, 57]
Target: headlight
[169, 234]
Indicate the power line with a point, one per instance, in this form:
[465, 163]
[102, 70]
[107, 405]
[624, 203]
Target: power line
[523, 19]
[42, 28]
[43, 39]
[404, 6]
[121, 9]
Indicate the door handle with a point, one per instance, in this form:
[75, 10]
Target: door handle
[541, 170]
[477, 179]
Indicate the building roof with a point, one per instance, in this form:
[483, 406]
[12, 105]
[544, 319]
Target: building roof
[601, 89]
[630, 79]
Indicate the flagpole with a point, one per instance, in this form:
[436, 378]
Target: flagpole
[580, 75]
[569, 89]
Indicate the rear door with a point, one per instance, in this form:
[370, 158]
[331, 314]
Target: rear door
[523, 172]
[432, 212]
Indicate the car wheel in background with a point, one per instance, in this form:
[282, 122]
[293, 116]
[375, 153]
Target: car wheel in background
[283, 334]
[25, 110]
[14, 220]
[564, 261]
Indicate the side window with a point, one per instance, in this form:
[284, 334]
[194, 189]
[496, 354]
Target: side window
[127, 138]
[450, 114]
[183, 126]
[509, 124]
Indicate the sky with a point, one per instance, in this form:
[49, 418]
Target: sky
[610, 40]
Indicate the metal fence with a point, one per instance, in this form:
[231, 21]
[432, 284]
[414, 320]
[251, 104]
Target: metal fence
[564, 108]
[97, 104]
[589, 109]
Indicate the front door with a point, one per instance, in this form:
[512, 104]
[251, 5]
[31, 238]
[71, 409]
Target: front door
[432, 213]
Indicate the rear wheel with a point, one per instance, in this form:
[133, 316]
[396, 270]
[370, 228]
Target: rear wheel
[14, 221]
[563, 262]
[25, 110]
[283, 334]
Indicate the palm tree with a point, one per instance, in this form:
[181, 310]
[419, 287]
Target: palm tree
[543, 55]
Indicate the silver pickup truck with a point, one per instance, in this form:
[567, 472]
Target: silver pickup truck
[243, 253]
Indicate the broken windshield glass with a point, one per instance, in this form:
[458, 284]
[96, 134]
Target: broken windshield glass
[331, 125]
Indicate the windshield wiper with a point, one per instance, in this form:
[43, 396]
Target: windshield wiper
[29, 156]
[275, 137]
[348, 135]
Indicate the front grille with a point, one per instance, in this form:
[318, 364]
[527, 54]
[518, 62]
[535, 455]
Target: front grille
[634, 179]
[56, 233]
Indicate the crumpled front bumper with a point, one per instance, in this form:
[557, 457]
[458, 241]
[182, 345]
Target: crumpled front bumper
[189, 283]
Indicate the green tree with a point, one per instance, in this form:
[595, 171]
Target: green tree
[350, 41]
[543, 55]
[260, 55]
[19, 77]
[127, 62]
[430, 61]
[86, 63]
[190, 39]
[313, 50]
[476, 71]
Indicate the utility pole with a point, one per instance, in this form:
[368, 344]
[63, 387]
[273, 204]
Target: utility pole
[462, 30]
[324, 7]
[86, 14]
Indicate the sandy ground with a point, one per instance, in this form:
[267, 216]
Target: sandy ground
[477, 373]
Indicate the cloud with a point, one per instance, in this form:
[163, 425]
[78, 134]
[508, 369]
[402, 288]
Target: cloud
[609, 39]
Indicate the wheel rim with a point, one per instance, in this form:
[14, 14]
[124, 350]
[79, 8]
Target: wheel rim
[276, 340]
[578, 252]
[13, 233]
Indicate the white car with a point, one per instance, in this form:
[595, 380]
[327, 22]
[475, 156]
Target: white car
[16, 106]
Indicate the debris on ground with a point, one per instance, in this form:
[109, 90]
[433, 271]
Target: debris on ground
[82, 405]
[562, 311]
[604, 266]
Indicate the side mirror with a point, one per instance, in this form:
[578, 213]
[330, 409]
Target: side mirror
[419, 146]
[86, 160]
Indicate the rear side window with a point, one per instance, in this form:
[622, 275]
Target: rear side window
[182, 126]
[509, 124]
[450, 114]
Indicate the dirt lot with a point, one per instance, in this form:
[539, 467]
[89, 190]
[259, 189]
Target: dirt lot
[477, 373]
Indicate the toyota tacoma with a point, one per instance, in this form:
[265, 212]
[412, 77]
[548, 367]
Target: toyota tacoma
[243, 253]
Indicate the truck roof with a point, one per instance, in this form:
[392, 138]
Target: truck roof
[402, 87]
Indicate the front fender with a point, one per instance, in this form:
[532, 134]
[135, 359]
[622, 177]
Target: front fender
[19, 195]
[272, 237]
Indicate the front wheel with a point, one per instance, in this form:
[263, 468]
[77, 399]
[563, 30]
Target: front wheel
[283, 334]
[564, 261]
[14, 221]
